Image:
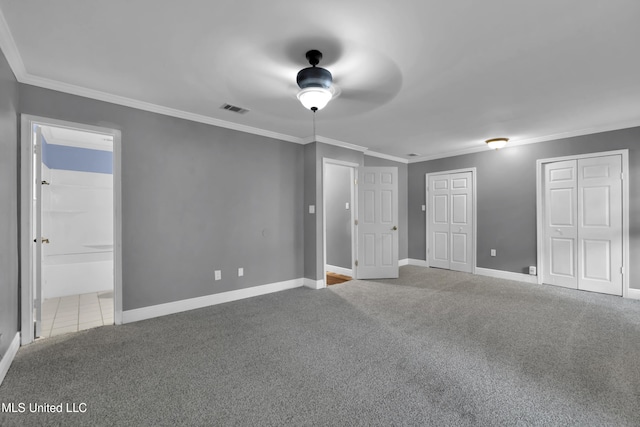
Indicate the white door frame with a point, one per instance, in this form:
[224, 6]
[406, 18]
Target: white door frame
[625, 211]
[474, 215]
[27, 177]
[354, 207]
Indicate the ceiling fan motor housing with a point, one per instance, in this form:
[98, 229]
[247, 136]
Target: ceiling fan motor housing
[314, 76]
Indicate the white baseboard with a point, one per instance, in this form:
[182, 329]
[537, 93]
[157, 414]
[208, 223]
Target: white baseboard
[403, 262]
[313, 284]
[207, 300]
[340, 270]
[633, 293]
[417, 262]
[7, 358]
[508, 275]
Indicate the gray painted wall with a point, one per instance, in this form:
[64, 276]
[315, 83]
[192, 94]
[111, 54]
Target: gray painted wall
[195, 198]
[9, 299]
[403, 201]
[337, 181]
[506, 191]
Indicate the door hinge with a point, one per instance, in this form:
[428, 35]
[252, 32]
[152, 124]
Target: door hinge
[355, 181]
[356, 263]
[355, 221]
[622, 270]
[622, 176]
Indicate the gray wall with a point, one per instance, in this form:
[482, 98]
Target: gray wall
[506, 191]
[9, 300]
[337, 181]
[403, 201]
[195, 198]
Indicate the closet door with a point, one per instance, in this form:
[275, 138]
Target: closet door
[600, 224]
[561, 231]
[439, 220]
[583, 224]
[451, 221]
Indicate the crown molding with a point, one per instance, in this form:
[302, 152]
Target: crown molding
[387, 157]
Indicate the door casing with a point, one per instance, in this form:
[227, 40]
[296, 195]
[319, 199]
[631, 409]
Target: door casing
[27, 178]
[473, 208]
[541, 265]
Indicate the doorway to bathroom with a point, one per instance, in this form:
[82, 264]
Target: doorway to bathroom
[73, 224]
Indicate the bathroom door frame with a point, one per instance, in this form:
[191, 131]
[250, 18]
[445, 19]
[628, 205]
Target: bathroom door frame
[27, 178]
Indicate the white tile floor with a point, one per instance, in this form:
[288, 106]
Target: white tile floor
[76, 313]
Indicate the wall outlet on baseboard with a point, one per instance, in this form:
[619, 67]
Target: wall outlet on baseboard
[493, 252]
[533, 270]
[217, 275]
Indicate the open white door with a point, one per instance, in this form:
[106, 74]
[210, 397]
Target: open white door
[377, 223]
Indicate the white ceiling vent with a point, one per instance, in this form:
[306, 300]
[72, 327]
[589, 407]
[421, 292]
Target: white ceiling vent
[234, 108]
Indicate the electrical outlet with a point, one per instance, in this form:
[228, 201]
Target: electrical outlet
[218, 275]
[240, 272]
[532, 270]
[493, 252]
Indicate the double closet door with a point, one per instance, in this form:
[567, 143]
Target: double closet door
[583, 224]
[450, 231]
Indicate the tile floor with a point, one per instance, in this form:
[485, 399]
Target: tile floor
[76, 313]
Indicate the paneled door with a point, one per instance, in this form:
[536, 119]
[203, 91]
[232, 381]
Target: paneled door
[377, 226]
[583, 224]
[450, 221]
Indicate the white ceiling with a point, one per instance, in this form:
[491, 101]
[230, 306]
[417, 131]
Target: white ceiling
[430, 77]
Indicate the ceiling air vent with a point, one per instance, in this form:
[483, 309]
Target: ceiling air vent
[233, 108]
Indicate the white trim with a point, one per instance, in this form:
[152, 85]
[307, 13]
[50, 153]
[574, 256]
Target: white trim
[339, 270]
[507, 275]
[10, 49]
[625, 211]
[403, 262]
[386, 156]
[353, 171]
[8, 357]
[474, 176]
[313, 284]
[26, 206]
[150, 312]
[417, 262]
[633, 293]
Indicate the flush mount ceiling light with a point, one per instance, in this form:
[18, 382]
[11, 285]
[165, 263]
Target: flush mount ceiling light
[315, 83]
[497, 143]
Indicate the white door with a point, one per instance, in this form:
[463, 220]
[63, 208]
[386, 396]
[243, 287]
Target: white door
[600, 224]
[377, 223]
[583, 224]
[561, 230]
[450, 228]
[37, 230]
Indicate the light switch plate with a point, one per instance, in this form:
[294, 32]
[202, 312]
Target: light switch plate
[346, 206]
[218, 275]
[493, 252]
[240, 272]
[424, 208]
[312, 209]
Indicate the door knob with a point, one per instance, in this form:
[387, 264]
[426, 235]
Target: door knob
[394, 228]
[44, 240]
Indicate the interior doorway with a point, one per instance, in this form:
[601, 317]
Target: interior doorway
[339, 219]
[70, 227]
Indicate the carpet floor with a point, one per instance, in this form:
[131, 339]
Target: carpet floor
[433, 347]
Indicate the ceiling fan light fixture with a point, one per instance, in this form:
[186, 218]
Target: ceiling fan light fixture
[497, 143]
[315, 97]
[314, 83]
